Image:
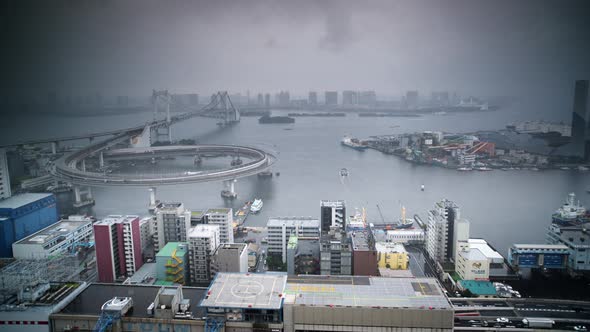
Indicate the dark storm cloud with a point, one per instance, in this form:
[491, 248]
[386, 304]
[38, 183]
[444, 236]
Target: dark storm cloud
[527, 47]
[338, 32]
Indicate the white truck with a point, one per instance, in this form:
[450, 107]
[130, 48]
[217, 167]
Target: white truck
[539, 322]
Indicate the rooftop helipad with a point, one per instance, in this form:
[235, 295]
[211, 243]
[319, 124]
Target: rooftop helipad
[246, 290]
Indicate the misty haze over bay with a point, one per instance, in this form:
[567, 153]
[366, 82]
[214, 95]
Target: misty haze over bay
[531, 49]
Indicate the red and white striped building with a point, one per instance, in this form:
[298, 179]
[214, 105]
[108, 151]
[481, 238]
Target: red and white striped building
[118, 247]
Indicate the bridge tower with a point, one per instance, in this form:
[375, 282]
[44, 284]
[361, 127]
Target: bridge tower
[165, 97]
[224, 108]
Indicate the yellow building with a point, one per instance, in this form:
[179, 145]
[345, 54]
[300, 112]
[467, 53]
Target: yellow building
[392, 256]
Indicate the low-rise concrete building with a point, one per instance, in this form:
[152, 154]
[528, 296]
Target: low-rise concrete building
[268, 302]
[155, 308]
[364, 255]
[30, 309]
[303, 256]
[472, 264]
[230, 257]
[57, 239]
[392, 256]
[172, 263]
[281, 228]
[335, 254]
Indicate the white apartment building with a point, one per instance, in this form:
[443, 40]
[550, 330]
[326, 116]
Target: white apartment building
[440, 230]
[224, 218]
[281, 228]
[203, 240]
[172, 224]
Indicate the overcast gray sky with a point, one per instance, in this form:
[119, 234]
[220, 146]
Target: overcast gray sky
[129, 47]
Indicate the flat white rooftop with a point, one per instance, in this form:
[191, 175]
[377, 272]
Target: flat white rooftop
[60, 228]
[334, 204]
[246, 290]
[540, 246]
[203, 231]
[113, 219]
[485, 249]
[473, 254]
[359, 291]
[387, 247]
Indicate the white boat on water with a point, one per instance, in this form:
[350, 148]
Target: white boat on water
[583, 168]
[256, 206]
[464, 169]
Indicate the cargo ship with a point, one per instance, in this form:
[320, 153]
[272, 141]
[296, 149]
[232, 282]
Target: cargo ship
[275, 119]
[354, 143]
[403, 221]
[358, 221]
[571, 212]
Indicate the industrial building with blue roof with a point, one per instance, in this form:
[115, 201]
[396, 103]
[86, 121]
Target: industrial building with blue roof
[23, 215]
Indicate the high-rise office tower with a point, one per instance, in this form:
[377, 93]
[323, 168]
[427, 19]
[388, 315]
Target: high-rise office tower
[331, 98]
[349, 98]
[412, 99]
[267, 100]
[581, 120]
[283, 98]
[313, 98]
[260, 100]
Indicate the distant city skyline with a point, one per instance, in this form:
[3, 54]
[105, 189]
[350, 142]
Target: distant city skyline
[533, 48]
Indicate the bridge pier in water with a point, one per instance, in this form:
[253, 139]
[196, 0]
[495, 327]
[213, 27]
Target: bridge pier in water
[163, 134]
[230, 189]
[83, 196]
[101, 159]
[153, 201]
[54, 147]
